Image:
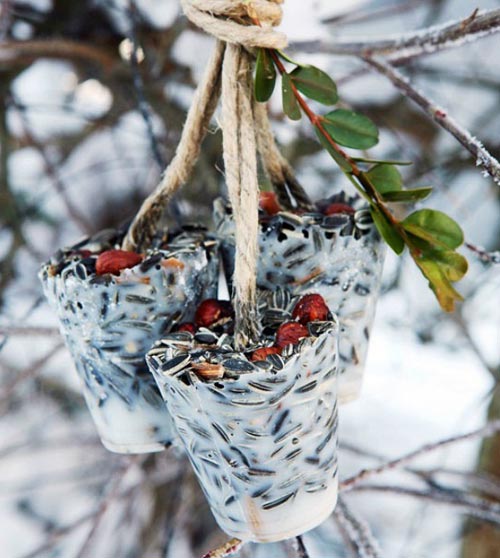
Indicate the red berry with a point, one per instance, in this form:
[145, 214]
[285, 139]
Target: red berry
[264, 352]
[311, 308]
[84, 253]
[290, 333]
[269, 203]
[113, 261]
[335, 208]
[211, 311]
[187, 326]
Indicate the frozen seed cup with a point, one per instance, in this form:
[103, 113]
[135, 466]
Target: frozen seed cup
[259, 427]
[336, 252]
[110, 319]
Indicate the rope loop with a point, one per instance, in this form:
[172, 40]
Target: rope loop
[234, 21]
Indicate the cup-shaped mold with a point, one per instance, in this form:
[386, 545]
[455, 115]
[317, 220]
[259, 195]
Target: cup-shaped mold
[261, 435]
[109, 321]
[338, 256]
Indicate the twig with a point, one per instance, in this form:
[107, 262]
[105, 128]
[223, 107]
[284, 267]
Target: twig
[31, 331]
[483, 158]
[484, 256]
[53, 172]
[417, 43]
[301, 548]
[28, 372]
[112, 495]
[472, 505]
[227, 549]
[357, 531]
[487, 430]
[55, 48]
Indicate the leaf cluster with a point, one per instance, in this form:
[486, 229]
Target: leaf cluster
[432, 237]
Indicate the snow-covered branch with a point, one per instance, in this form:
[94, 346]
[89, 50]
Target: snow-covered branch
[417, 43]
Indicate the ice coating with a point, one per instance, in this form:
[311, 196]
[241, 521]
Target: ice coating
[263, 443]
[109, 322]
[339, 257]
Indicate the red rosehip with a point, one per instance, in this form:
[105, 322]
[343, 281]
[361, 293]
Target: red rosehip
[290, 333]
[187, 326]
[269, 203]
[311, 308]
[335, 208]
[264, 352]
[113, 261]
[211, 311]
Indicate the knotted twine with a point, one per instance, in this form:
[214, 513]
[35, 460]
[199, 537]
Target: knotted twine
[245, 127]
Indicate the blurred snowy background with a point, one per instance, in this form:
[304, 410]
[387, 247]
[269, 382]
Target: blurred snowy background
[84, 133]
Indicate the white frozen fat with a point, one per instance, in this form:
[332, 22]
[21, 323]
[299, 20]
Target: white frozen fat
[109, 325]
[264, 445]
[350, 278]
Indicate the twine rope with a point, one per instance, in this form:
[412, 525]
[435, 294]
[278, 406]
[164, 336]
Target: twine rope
[229, 75]
[143, 228]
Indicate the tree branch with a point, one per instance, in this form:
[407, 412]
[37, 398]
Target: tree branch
[410, 45]
[487, 430]
[483, 158]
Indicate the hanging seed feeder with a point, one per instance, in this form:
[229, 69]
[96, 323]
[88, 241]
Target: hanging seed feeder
[112, 305]
[338, 256]
[259, 425]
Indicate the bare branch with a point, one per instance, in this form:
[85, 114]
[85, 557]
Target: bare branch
[227, 549]
[471, 505]
[487, 430]
[357, 531]
[417, 43]
[484, 256]
[301, 548]
[483, 158]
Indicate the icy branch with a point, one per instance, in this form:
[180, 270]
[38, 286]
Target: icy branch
[487, 430]
[483, 158]
[409, 45]
[357, 531]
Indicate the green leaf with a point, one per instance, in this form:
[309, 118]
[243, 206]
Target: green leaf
[388, 232]
[439, 283]
[315, 84]
[290, 105]
[265, 76]
[381, 161]
[288, 59]
[351, 129]
[435, 227]
[385, 178]
[407, 195]
[343, 164]
[453, 265]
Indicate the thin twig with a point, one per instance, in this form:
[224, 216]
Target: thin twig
[484, 256]
[227, 549]
[413, 44]
[483, 158]
[29, 331]
[471, 505]
[301, 548]
[112, 495]
[357, 531]
[487, 430]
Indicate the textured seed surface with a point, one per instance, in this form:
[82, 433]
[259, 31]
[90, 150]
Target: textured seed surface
[208, 371]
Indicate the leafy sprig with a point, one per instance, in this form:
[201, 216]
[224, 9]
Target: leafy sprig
[431, 237]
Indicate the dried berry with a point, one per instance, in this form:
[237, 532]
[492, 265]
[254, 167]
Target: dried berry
[290, 333]
[207, 371]
[269, 203]
[212, 312]
[113, 261]
[264, 352]
[187, 326]
[335, 208]
[311, 308]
